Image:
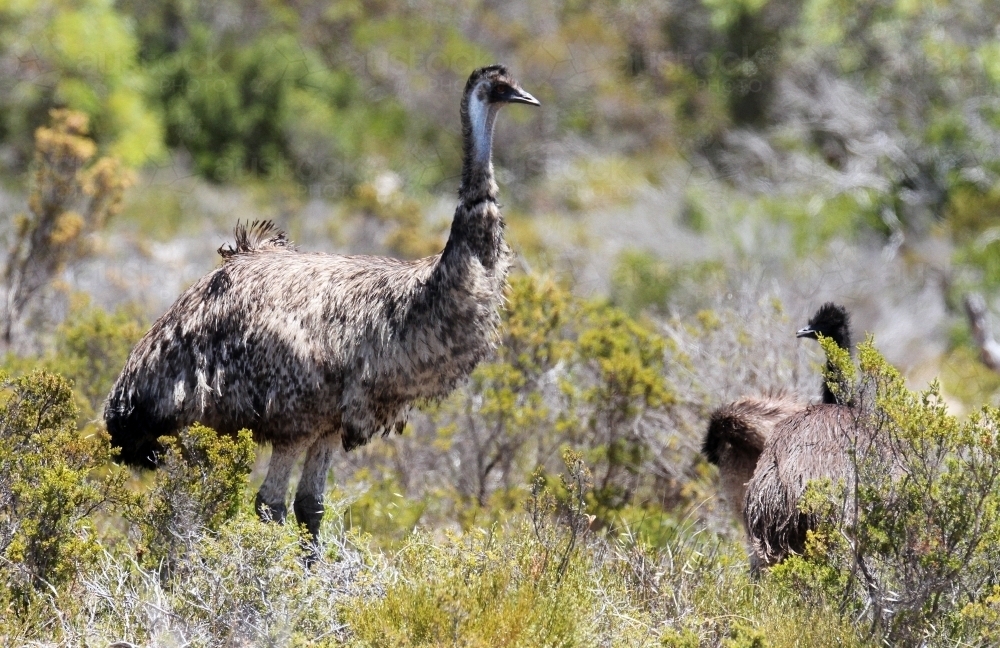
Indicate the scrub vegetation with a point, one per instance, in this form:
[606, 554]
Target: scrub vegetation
[701, 175]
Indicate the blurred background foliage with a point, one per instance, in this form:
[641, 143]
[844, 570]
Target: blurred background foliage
[876, 118]
[701, 175]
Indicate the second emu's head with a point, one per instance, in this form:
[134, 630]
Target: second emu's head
[830, 321]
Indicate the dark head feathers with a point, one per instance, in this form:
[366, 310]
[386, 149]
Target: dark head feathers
[720, 425]
[259, 235]
[496, 71]
[832, 321]
[502, 87]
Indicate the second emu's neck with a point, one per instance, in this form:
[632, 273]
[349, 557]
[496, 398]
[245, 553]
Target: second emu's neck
[835, 375]
[477, 228]
[829, 397]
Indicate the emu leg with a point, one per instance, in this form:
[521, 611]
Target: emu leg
[270, 503]
[309, 495]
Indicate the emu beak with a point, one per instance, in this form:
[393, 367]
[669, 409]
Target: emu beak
[805, 333]
[517, 95]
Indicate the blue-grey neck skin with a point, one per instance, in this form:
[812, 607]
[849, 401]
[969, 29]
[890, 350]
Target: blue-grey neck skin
[477, 228]
[481, 115]
[478, 115]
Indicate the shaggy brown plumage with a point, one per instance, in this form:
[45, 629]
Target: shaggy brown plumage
[814, 443]
[308, 348]
[736, 436]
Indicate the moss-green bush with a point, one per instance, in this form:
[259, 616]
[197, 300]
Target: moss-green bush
[270, 107]
[82, 56]
[90, 349]
[569, 373]
[485, 588]
[201, 481]
[588, 551]
[53, 479]
[919, 545]
[524, 586]
[383, 512]
[196, 565]
[72, 197]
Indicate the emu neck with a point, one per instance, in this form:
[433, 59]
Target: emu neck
[477, 228]
[478, 120]
[832, 374]
[836, 376]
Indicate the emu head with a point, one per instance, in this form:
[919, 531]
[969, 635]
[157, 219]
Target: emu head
[488, 89]
[830, 321]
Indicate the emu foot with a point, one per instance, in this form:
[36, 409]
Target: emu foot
[269, 512]
[309, 512]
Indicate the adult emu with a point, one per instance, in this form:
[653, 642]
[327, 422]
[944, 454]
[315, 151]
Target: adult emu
[306, 349]
[811, 444]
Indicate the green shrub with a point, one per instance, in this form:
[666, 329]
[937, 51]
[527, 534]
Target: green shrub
[982, 256]
[568, 373]
[246, 581]
[79, 55]
[53, 478]
[245, 584]
[919, 546]
[270, 106]
[91, 348]
[640, 281]
[485, 588]
[527, 586]
[383, 512]
[619, 380]
[507, 395]
[71, 198]
[965, 377]
[201, 481]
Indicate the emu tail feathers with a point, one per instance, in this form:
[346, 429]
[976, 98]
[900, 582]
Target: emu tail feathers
[745, 425]
[255, 237]
[772, 518]
[737, 437]
[730, 426]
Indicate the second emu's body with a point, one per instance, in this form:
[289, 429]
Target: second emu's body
[769, 447]
[814, 443]
[307, 349]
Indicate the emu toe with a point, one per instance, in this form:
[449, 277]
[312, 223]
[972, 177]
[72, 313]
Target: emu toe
[309, 512]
